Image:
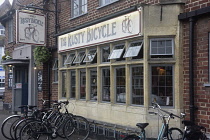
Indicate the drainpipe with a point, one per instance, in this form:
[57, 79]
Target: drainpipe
[191, 69]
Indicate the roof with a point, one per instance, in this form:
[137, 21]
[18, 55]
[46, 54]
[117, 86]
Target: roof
[5, 7]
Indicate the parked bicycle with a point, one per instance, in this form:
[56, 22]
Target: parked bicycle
[165, 133]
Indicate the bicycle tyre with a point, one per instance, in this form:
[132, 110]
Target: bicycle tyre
[59, 123]
[175, 134]
[34, 130]
[132, 137]
[79, 127]
[6, 125]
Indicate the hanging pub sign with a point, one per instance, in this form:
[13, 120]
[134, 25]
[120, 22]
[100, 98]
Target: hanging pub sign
[119, 28]
[30, 28]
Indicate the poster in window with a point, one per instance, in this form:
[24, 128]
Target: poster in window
[39, 80]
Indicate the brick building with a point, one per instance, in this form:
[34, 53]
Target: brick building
[114, 58]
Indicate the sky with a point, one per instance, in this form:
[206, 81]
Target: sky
[1, 1]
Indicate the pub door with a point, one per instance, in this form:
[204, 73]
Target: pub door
[20, 87]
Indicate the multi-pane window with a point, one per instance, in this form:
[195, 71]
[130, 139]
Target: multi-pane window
[90, 56]
[64, 83]
[106, 84]
[63, 60]
[72, 84]
[69, 60]
[2, 82]
[120, 85]
[137, 83]
[82, 84]
[79, 7]
[162, 84]
[134, 49]
[10, 31]
[117, 52]
[79, 58]
[93, 84]
[106, 2]
[55, 70]
[105, 52]
[162, 48]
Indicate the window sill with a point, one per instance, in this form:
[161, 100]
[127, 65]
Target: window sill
[207, 85]
[106, 4]
[78, 16]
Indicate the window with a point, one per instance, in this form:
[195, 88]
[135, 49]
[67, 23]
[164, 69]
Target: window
[133, 49]
[82, 84]
[10, 31]
[106, 84]
[105, 52]
[79, 58]
[162, 85]
[2, 32]
[93, 84]
[117, 52]
[64, 83]
[162, 48]
[106, 2]
[137, 91]
[55, 70]
[2, 82]
[79, 7]
[69, 59]
[90, 56]
[120, 85]
[63, 60]
[73, 84]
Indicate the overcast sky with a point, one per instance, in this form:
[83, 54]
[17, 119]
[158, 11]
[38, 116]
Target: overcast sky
[1, 1]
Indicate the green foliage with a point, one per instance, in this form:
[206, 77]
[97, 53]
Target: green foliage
[6, 56]
[41, 55]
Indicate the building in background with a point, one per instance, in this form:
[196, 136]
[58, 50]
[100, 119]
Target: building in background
[2, 71]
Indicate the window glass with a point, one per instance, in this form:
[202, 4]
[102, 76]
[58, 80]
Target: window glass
[90, 56]
[93, 84]
[82, 84]
[106, 84]
[133, 49]
[117, 52]
[106, 2]
[79, 57]
[79, 7]
[64, 83]
[162, 85]
[10, 31]
[137, 96]
[70, 59]
[162, 48]
[73, 84]
[55, 70]
[63, 60]
[105, 52]
[120, 85]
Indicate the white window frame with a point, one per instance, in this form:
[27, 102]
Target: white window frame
[10, 31]
[102, 54]
[55, 70]
[133, 51]
[90, 56]
[80, 8]
[160, 39]
[106, 2]
[69, 60]
[116, 53]
[76, 61]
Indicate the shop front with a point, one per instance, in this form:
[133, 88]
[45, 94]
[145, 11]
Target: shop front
[112, 71]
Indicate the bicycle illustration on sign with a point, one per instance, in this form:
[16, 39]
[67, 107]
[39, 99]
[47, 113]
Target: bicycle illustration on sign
[31, 33]
[127, 25]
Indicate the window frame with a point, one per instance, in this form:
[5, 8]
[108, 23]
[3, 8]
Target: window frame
[55, 70]
[88, 54]
[10, 31]
[68, 57]
[165, 54]
[79, 8]
[71, 84]
[121, 53]
[93, 69]
[100, 3]
[63, 85]
[173, 82]
[102, 83]
[78, 55]
[102, 52]
[80, 73]
[128, 49]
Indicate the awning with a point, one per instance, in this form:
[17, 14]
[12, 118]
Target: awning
[15, 62]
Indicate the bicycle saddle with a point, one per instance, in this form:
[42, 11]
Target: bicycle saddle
[142, 125]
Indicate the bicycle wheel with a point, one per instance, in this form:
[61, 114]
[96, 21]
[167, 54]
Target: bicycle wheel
[27, 33]
[59, 124]
[6, 125]
[132, 137]
[175, 134]
[34, 130]
[35, 36]
[79, 128]
[12, 128]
